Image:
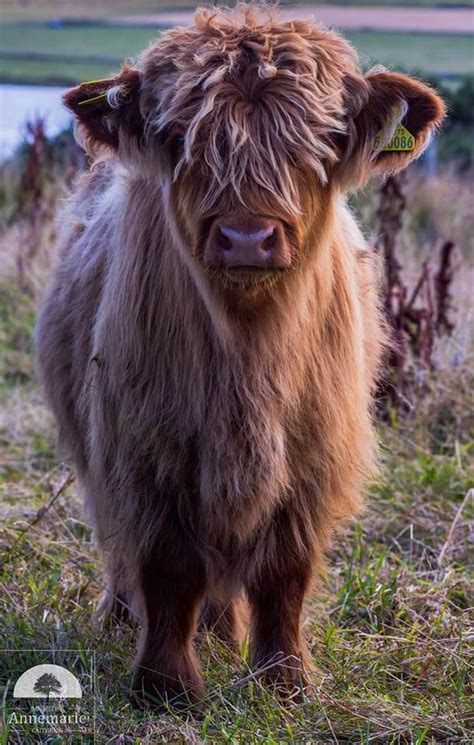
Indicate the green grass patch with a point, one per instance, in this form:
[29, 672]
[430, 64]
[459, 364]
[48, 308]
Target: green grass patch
[111, 41]
[429, 53]
[47, 9]
[16, 328]
[51, 72]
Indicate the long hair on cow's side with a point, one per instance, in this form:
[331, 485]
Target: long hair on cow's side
[187, 398]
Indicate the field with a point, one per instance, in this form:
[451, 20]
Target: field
[38, 53]
[389, 627]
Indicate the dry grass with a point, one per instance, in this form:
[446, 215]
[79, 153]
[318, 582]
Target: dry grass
[390, 627]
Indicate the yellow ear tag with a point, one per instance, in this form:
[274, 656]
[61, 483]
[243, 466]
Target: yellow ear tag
[91, 100]
[401, 142]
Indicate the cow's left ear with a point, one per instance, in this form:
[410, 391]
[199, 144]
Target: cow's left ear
[107, 110]
[376, 106]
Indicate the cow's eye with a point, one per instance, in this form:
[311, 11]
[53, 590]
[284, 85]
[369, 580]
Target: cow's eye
[176, 146]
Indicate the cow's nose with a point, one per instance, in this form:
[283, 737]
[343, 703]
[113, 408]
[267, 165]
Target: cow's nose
[246, 247]
[258, 244]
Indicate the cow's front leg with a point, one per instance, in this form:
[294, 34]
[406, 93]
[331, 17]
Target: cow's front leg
[276, 589]
[172, 589]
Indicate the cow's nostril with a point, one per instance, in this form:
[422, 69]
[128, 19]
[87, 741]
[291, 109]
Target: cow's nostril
[224, 243]
[269, 243]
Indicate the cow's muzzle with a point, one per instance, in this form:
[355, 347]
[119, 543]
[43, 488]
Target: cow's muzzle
[247, 246]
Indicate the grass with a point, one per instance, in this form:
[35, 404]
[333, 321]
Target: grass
[111, 41]
[46, 9]
[52, 73]
[390, 627]
[389, 631]
[100, 49]
[435, 53]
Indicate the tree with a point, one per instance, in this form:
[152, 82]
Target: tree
[47, 684]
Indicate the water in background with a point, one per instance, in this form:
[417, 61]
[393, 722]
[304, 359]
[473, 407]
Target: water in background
[19, 103]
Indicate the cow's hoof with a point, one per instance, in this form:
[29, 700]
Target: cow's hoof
[285, 676]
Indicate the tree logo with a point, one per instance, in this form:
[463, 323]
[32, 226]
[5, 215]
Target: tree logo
[47, 681]
[47, 684]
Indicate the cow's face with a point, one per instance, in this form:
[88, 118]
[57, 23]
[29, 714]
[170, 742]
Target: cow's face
[251, 125]
[246, 235]
[247, 121]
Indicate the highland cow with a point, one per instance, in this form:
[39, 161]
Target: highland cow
[212, 335]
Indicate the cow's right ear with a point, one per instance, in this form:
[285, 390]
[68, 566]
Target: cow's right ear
[377, 106]
[107, 110]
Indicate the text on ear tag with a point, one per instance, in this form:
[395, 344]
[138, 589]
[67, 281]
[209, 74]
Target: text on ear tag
[402, 140]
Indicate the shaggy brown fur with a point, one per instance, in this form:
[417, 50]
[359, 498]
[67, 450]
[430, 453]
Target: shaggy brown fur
[221, 425]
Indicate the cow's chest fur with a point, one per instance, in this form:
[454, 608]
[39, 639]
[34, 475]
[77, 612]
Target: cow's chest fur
[243, 467]
[237, 435]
